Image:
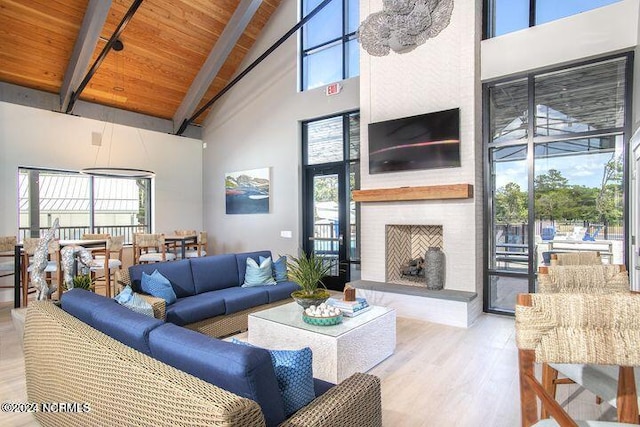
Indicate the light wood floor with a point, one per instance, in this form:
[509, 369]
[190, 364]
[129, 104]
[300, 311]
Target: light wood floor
[438, 376]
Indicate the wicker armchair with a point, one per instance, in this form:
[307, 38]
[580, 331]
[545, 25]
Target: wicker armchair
[599, 329]
[127, 388]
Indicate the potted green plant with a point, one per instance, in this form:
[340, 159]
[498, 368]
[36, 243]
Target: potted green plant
[83, 281]
[307, 271]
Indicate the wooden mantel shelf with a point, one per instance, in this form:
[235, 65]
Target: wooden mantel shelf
[429, 192]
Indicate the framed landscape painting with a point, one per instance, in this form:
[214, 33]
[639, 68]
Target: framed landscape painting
[247, 192]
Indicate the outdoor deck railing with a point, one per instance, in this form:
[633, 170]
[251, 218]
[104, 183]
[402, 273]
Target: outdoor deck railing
[73, 233]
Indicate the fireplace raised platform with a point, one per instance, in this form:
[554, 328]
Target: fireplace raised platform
[446, 306]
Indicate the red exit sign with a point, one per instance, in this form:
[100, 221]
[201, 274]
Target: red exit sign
[333, 89]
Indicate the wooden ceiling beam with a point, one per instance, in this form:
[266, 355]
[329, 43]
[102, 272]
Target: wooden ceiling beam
[92, 23]
[216, 59]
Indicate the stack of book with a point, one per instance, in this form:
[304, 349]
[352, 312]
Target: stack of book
[350, 308]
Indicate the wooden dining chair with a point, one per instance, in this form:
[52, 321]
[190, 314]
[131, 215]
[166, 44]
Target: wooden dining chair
[149, 248]
[590, 278]
[198, 249]
[108, 260]
[7, 259]
[53, 268]
[599, 329]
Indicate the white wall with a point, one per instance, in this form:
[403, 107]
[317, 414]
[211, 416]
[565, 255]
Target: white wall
[44, 139]
[441, 74]
[256, 125]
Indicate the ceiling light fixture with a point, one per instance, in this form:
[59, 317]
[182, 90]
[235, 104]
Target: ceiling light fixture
[109, 171]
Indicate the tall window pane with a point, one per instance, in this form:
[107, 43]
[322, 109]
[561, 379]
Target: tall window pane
[325, 141]
[120, 206]
[329, 50]
[509, 16]
[508, 111]
[580, 99]
[323, 67]
[550, 10]
[579, 194]
[510, 221]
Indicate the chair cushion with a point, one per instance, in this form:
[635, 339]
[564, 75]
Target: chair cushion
[245, 371]
[156, 257]
[281, 290]
[133, 301]
[50, 268]
[242, 261]
[294, 371]
[178, 273]
[159, 286]
[7, 266]
[194, 254]
[214, 272]
[258, 275]
[238, 299]
[195, 308]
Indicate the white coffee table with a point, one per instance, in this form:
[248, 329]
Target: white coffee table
[355, 345]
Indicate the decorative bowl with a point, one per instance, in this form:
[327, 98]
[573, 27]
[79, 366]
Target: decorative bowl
[308, 302]
[322, 321]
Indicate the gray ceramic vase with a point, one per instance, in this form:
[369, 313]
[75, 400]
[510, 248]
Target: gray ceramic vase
[434, 265]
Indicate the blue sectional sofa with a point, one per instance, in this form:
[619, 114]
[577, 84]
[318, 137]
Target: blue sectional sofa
[125, 368]
[210, 297]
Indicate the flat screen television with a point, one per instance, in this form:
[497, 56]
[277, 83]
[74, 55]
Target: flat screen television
[427, 141]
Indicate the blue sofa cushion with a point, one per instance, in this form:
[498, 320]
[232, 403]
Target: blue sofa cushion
[81, 303]
[242, 261]
[245, 371]
[159, 286]
[126, 326]
[282, 290]
[321, 387]
[258, 275]
[178, 273]
[215, 272]
[238, 299]
[110, 318]
[195, 308]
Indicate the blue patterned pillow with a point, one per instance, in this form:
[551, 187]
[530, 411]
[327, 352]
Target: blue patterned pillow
[258, 275]
[294, 372]
[279, 268]
[134, 302]
[159, 286]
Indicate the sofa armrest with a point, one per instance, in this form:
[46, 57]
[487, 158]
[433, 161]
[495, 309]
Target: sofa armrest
[122, 279]
[158, 305]
[354, 402]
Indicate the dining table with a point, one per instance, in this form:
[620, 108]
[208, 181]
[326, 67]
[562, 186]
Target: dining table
[93, 243]
[184, 242]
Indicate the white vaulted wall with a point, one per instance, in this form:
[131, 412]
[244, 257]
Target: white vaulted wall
[439, 75]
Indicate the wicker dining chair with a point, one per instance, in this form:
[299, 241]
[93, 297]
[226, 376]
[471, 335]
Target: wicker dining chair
[598, 329]
[199, 249]
[590, 278]
[109, 258]
[53, 268]
[576, 258]
[149, 248]
[7, 259]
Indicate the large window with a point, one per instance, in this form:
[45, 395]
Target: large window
[329, 49]
[555, 150]
[83, 204]
[505, 16]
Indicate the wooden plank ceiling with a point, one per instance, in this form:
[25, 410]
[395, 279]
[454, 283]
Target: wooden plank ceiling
[165, 45]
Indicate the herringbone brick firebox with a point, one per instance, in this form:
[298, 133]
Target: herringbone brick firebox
[405, 243]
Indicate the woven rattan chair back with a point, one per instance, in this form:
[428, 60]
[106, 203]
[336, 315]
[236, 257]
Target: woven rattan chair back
[576, 258]
[583, 278]
[185, 232]
[147, 244]
[95, 236]
[598, 329]
[7, 259]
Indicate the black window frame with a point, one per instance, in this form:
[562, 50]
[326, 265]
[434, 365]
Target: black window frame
[530, 141]
[342, 40]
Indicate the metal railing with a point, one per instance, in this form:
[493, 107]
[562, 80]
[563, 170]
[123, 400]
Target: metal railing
[73, 233]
